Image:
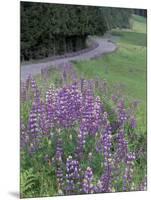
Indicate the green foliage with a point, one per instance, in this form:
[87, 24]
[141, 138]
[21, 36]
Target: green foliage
[38, 176]
[117, 17]
[29, 182]
[53, 29]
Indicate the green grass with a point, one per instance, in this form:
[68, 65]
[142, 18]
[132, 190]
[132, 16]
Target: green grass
[139, 24]
[127, 66]
[133, 38]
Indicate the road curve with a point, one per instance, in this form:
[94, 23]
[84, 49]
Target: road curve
[105, 45]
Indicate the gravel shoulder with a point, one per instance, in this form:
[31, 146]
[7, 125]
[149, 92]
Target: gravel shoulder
[105, 45]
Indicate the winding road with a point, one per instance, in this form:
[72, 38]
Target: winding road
[104, 45]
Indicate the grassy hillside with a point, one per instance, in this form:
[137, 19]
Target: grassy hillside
[126, 66]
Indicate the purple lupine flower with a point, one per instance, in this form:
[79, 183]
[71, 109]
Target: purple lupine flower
[81, 139]
[68, 105]
[72, 176]
[51, 99]
[133, 122]
[122, 156]
[50, 112]
[58, 159]
[99, 110]
[119, 156]
[60, 179]
[33, 128]
[106, 138]
[87, 185]
[86, 86]
[33, 84]
[121, 113]
[127, 177]
[43, 118]
[143, 185]
[104, 147]
[122, 146]
[82, 85]
[59, 149]
[104, 184]
[90, 118]
[75, 102]
[24, 138]
[51, 95]
[34, 89]
[63, 102]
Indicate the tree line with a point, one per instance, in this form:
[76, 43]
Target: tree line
[54, 29]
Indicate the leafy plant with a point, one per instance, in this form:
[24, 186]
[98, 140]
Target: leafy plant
[29, 182]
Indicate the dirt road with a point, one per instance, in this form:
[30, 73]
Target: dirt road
[105, 45]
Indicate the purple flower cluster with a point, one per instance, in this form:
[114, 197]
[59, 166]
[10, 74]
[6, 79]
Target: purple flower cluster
[68, 105]
[88, 186]
[24, 137]
[81, 139]
[122, 147]
[121, 113]
[72, 176]
[74, 108]
[90, 118]
[104, 184]
[127, 177]
[33, 129]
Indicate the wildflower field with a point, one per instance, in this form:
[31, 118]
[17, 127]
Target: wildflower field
[76, 138]
[80, 128]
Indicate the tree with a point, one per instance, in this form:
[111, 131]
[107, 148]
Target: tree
[54, 29]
